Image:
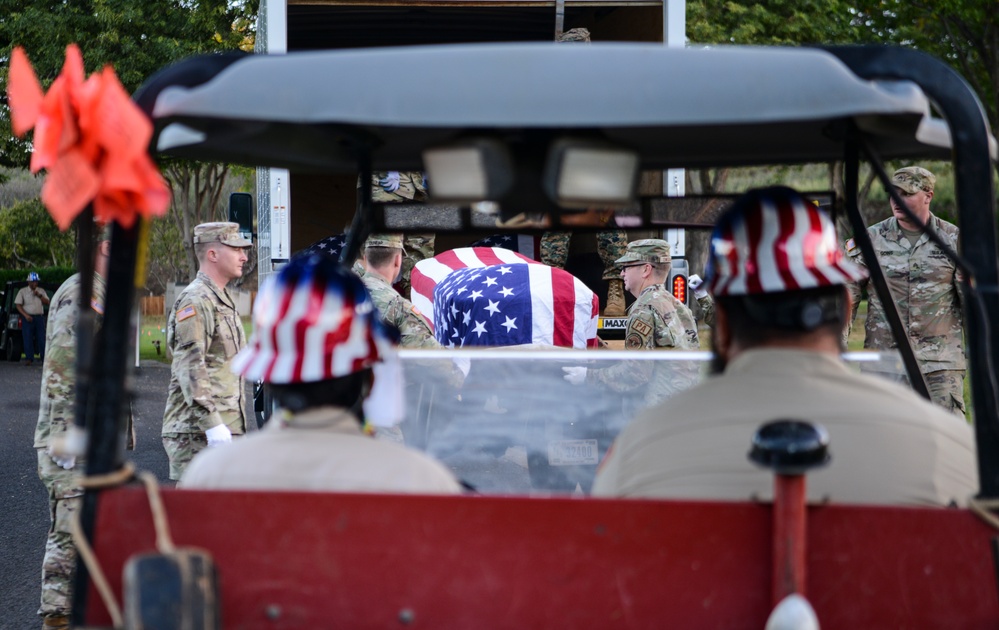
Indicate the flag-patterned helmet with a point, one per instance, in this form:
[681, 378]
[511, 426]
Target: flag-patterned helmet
[313, 321]
[774, 240]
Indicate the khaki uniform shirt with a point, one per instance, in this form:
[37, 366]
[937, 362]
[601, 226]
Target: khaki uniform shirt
[204, 332]
[400, 312]
[320, 450]
[655, 320]
[924, 283]
[58, 393]
[888, 445]
[31, 303]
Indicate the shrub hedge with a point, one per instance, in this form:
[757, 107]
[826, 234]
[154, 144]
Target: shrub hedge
[56, 275]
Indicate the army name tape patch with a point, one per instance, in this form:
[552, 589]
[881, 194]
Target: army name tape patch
[185, 313]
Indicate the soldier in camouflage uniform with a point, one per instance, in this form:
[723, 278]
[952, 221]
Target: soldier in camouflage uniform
[56, 469]
[383, 258]
[925, 285]
[610, 243]
[383, 255]
[655, 320]
[397, 187]
[205, 401]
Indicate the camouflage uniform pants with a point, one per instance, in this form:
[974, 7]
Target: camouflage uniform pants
[611, 245]
[181, 449]
[946, 389]
[418, 247]
[59, 563]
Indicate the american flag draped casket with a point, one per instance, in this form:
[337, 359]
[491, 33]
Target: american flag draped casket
[490, 296]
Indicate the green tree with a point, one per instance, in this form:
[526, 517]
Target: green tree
[773, 22]
[964, 33]
[29, 238]
[138, 38]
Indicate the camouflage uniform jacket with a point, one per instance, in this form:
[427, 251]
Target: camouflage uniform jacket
[925, 285]
[204, 332]
[400, 312]
[655, 320]
[56, 407]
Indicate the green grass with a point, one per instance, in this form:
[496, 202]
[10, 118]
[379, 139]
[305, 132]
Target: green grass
[856, 339]
[153, 328]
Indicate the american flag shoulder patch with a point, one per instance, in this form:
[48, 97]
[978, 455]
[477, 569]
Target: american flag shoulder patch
[850, 245]
[97, 306]
[185, 313]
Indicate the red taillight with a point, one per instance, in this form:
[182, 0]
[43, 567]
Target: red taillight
[680, 288]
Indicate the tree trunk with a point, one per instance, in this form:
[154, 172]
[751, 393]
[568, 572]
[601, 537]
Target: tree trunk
[197, 191]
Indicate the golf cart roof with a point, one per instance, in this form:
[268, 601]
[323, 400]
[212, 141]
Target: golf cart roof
[675, 107]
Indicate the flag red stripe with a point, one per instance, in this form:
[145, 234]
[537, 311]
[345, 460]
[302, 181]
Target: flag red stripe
[564, 307]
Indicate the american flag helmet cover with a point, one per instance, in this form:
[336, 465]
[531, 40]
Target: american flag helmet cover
[314, 320]
[774, 240]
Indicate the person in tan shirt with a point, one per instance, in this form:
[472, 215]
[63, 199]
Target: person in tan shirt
[30, 302]
[779, 283]
[318, 343]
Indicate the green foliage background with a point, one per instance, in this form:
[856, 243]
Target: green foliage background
[29, 238]
[55, 275]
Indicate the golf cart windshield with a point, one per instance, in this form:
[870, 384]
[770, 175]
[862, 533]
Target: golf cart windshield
[517, 426]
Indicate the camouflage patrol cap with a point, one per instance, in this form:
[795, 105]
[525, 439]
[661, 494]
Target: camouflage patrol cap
[912, 179]
[220, 232]
[647, 250]
[392, 241]
[575, 35]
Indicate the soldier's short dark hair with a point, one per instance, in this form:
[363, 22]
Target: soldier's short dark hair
[380, 256]
[757, 319]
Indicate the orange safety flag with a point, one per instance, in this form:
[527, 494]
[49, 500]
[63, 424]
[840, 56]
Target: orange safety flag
[91, 138]
[24, 93]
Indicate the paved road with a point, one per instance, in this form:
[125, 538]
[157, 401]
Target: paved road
[24, 518]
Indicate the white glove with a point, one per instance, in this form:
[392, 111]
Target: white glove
[462, 363]
[67, 462]
[218, 435]
[697, 286]
[390, 183]
[575, 375]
